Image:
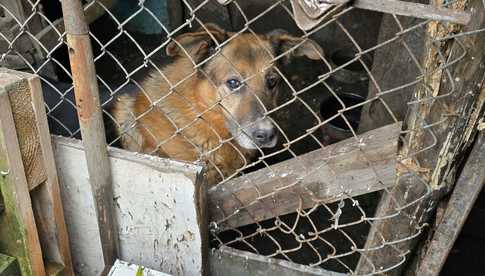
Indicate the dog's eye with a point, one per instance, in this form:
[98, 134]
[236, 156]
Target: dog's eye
[233, 84]
[271, 81]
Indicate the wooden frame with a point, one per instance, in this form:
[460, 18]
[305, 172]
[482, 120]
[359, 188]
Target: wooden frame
[33, 194]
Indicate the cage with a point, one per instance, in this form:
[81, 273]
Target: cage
[324, 132]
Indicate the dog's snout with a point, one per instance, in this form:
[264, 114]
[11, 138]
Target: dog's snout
[264, 136]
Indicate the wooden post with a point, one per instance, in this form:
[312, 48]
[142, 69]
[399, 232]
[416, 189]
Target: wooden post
[403, 210]
[18, 231]
[26, 104]
[459, 206]
[91, 123]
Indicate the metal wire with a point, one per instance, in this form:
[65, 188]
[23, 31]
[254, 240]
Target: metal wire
[327, 235]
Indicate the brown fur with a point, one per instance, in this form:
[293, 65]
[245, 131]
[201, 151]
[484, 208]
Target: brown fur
[189, 122]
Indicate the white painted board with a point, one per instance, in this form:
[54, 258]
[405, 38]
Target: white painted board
[156, 209]
[121, 268]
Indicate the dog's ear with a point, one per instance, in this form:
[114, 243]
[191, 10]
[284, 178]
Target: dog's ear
[197, 43]
[282, 41]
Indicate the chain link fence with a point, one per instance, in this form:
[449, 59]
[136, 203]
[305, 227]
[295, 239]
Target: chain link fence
[301, 131]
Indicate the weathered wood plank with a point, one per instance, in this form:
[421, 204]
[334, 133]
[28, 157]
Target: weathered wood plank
[159, 207]
[19, 237]
[395, 234]
[229, 261]
[19, 93]
[468, 186]
[415, 10]
[33, 135]
[349, 168]
[49, 195]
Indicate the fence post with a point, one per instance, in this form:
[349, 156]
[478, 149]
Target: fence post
[461, 203]
[434, 148]
[91, 123]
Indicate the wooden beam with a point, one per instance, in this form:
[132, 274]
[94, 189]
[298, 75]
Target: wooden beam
[346, 169]
[466, 191]
[19, 237]
[28, 112]
[404, 209]
[48, 197]
[229, 261]
[414, 10]
[21, 105]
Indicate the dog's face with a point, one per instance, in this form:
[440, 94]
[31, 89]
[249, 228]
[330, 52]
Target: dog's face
[243, 77]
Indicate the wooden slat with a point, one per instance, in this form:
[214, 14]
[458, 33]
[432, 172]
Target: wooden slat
[434, 167]
[229, 261]
[349, 168]
[51, 196]
[15, 191]
[30, 119]
[20, 102]
[414, 10]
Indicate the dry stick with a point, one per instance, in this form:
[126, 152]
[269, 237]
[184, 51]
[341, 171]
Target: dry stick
[91, 123]
[461, 202]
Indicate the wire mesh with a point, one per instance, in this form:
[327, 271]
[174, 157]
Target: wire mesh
[242, 97]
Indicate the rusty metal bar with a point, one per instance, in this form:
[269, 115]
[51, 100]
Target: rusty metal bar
[91, 123]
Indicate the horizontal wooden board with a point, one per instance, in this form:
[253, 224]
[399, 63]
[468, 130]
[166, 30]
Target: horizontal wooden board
[229, 261]
[346, 169]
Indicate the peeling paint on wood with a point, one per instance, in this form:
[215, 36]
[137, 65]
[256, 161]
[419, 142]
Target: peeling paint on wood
[156, 210]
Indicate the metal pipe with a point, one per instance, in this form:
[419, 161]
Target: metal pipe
[91, 123]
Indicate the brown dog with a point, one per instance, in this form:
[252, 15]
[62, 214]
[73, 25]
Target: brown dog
[215, 112]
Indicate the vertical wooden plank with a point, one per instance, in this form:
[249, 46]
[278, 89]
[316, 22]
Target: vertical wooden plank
[459, 206]
[20, 236]
[28, 113]
[434, 167]
[53, 196]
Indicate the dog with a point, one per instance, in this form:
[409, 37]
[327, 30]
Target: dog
[211, 102]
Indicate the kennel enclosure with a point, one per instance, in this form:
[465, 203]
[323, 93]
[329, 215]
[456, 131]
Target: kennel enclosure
[372, 137]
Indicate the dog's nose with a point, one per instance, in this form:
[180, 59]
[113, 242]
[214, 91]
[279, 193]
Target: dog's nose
[265, 136]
